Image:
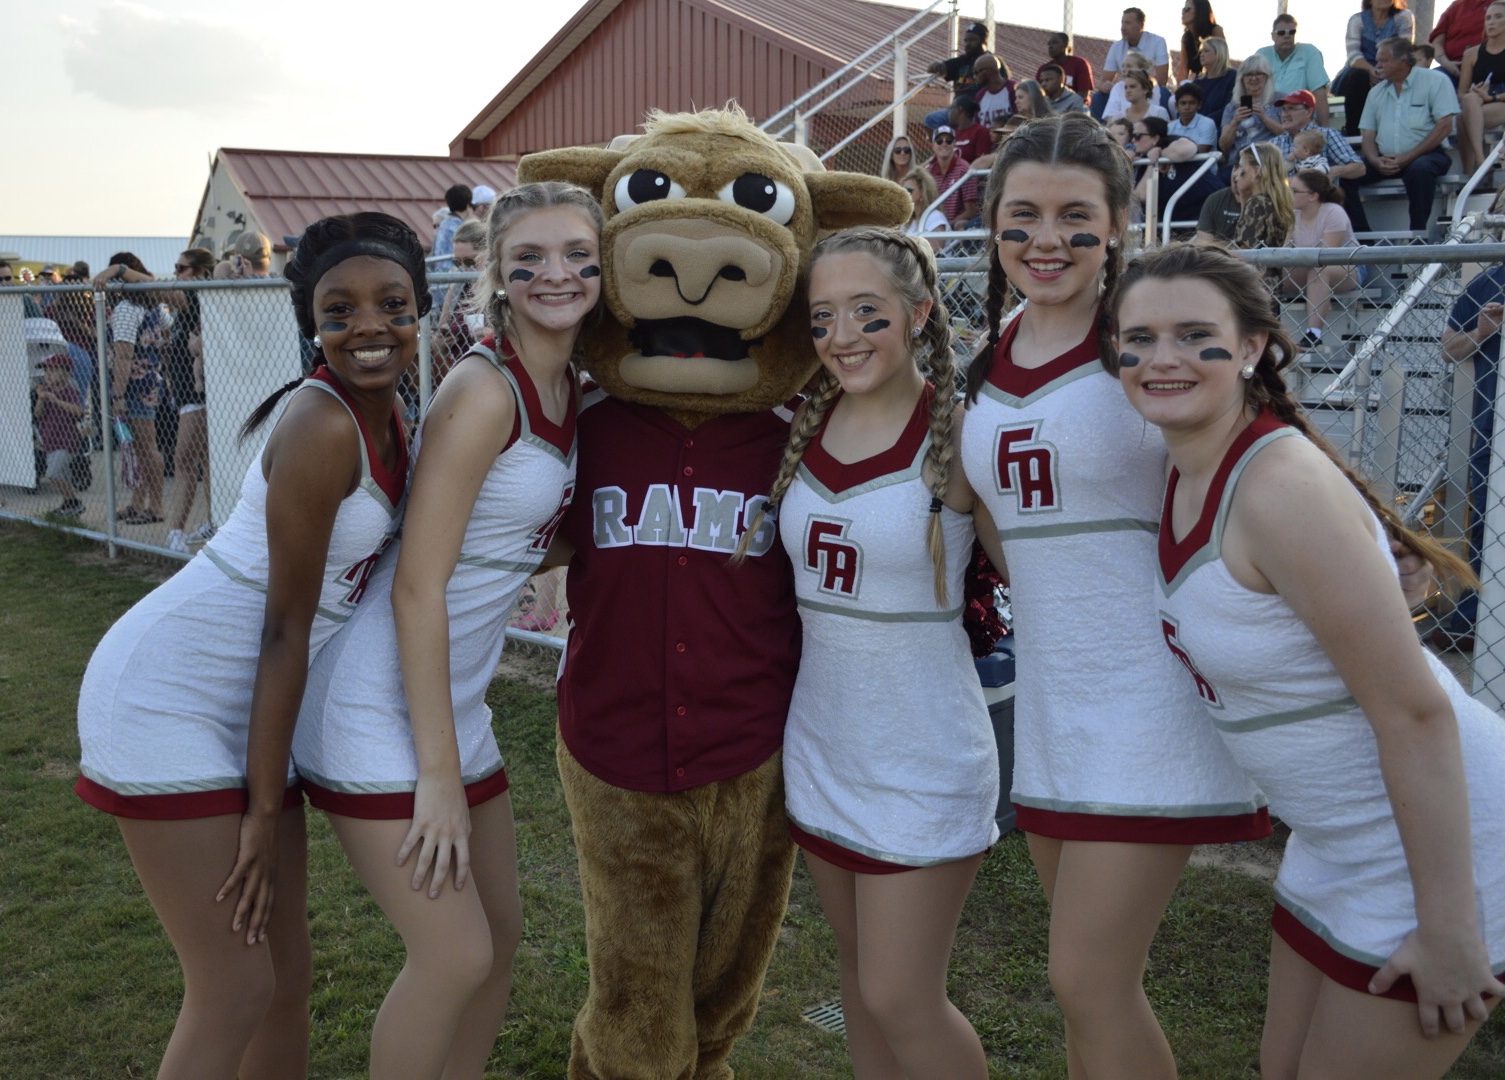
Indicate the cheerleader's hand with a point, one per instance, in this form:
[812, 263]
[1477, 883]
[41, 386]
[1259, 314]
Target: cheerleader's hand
[440, 831]
[255, 875]
[1415, 573]
[1450, 970]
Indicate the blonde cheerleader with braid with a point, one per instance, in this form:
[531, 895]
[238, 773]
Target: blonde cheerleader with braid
[395, 741]
[890, 767]
[1278, 596]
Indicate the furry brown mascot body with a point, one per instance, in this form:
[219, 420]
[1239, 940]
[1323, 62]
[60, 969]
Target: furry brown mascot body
[680, 667]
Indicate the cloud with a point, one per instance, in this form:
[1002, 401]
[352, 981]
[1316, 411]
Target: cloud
[140, 59]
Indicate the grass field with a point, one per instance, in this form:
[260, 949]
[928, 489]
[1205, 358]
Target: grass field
[89, 985]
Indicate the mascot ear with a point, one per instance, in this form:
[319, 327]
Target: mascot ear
[585, 166]
[843, 199]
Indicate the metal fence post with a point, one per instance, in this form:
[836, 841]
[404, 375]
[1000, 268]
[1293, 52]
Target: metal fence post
[1489, 628]
[106, 419]
[425, 366]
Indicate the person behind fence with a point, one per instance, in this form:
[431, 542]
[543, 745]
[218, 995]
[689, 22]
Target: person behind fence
[455, 320]
[1053, 86]
[251, 256]
[1405, 126]
[1198, 23]
[949, 171]
[1267, 216]
[1472, 337]
[456, 205]
[1296, 65]
[59, 408]
[1320, 223]
[138, 332]
[1218, 221]
[1139, 98]
[958, 70]
[395, 741]
[1253, 116]
[972, 138]
[1116, 772]
[996, 89]
[1278, 598]
[187, 707]
[185, 376]
[893, 819]
[1189, 121]
[1171, 155]
[1077, 70]
[922, 192]
[1297, 117]
[1481, 88]
[1030, 101]
[482, 198]
[898, 159]
[1308, 151]
[1116, 101]
[1217, 81]
[1376, 21]
[1459, 28]
[1136, 38]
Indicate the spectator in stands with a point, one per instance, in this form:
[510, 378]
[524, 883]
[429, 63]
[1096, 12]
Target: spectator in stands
[1138, 98]
[482, 198]
[1217, 81]
[185, 376]
[456, 202]
[1426, 54]
[1134, 61]
[1136, 37]
[898, 159]
[1077, 70]
[1053, 86]
[1481, 88]
[1297, 116]
[49, 275]
[995, 89]
[29, 307]
[1460, 28]
[1473, 334]
[456, 322]
[1189, 121]
[1308, 151]
[1198, 23]
[1152, 140]
[1123, 134]
[972, 138]
[1296, 65]
[948, 168]
[1319, 223]
[1218, 221]
[1406, 119]
[137, 335]
[1376, 22]
[1030, 101]
[252, 256]
[57, 412]
[1253, 117]
[923, 192]
[1266, 217]
[958, 70]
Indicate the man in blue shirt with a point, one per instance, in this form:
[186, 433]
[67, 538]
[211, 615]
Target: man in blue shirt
[1406, 120]
[1296, 65]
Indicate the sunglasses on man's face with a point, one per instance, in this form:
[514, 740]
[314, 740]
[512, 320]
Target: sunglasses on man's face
[466, 264]
[944, 142]
[179, 268]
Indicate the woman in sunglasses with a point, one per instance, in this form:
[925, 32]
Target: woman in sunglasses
[898, 159]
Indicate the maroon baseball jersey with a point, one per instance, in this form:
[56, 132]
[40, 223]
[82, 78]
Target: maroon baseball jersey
[680, 666]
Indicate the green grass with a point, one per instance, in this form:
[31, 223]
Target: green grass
[89, 986]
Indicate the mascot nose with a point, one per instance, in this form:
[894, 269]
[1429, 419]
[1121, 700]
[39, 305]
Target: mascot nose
[695, 265]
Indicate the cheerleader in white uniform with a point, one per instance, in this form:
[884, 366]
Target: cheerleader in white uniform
[890, 767]
[188, 705]
[1278, 595]
[395, 740]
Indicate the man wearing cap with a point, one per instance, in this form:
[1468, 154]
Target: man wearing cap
[1296, 65]
[251, 257]
[958, 70]
[49, 275]
[481, 199]
[948, 167]
[1297, 114]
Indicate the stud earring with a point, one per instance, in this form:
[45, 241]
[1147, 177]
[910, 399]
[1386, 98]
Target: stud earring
[318, 344]
[915, 332]
[1113, 241]
[1247, 371]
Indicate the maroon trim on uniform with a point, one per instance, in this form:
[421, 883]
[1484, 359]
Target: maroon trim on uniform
[1343, 970]
[559, 436]
[843, 858]
[1113, 828]
[1175, 554]
[1022, 382]
[176, 807]
[395, 805]
[394, 481]
[841, 476]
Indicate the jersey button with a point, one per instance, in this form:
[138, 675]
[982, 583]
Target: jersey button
[679, 772]
[689, 470]
[680, 647]
[681, 711]
[689, 444]
[683, 560]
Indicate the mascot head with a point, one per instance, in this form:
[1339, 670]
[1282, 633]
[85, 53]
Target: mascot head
[709, 228]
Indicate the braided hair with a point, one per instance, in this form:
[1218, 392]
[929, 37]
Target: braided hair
[1071, 139]
[1255, 313]
[909, 265]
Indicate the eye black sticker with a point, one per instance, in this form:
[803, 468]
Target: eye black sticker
[1085, 240]
[520, 275]
[405, 320]
[1127, 359]
[818, 332]
[590, 271]
[876, 325]
[332, 327]
[1216, 354]
[1018, 236]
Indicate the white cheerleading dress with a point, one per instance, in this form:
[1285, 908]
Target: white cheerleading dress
[1110, 744]
[165, 706]
[889, 751]
[1343, 894]
[354, 742]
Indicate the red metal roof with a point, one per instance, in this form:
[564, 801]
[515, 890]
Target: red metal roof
[800, 40]
[288, 190]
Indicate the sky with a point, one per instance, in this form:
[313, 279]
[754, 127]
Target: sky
[114, 108]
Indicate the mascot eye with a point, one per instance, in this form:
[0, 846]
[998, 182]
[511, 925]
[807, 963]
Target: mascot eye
[760, 195]
[645, 186]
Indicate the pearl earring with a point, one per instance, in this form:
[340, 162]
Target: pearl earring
[317, 343]
[1247, 371]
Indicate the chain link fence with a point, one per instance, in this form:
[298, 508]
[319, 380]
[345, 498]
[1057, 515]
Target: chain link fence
[1402, 381]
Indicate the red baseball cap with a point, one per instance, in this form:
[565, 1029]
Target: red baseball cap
[1305, 98]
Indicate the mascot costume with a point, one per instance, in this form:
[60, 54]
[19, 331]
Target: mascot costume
[679, 669]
